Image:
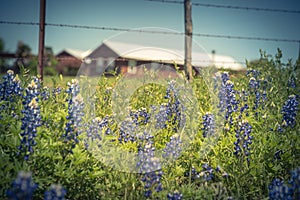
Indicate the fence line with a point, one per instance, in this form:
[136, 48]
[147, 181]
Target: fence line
[151, 31]
[231, 7]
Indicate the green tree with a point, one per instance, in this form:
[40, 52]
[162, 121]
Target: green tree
[1, 45]
[50, 62]
[25, 58]
[23, 50]
[2, 50]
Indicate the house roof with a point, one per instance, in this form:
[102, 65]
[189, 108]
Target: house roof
[76, 53]
[152, 53]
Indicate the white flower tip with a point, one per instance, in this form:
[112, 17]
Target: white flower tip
[10, 72]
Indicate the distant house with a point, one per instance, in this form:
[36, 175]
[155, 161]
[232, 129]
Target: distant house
[69, 61]
[127, 58]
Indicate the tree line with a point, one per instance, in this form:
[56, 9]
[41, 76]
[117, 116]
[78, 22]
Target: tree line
[23, 57]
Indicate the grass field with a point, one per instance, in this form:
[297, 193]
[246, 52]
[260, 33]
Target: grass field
[52, 81]
[236, 137]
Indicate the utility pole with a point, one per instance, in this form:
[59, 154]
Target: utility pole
[213, 53]
[41, 38]
[188, 39]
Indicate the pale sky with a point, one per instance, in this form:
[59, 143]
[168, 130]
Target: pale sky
[141, 13]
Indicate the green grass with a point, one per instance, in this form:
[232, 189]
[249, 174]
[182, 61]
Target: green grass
[86, 176]
[53, 81]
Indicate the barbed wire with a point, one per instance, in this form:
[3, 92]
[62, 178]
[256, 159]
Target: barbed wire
[247, 38]
[231, 7]
[20, 23]
[152, 31]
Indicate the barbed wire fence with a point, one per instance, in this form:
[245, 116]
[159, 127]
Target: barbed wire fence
[105, 28]
[208, 35]
[231, 7]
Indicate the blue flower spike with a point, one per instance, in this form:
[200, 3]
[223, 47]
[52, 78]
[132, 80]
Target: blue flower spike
[23, 187]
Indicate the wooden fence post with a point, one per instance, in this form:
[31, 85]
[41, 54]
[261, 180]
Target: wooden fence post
[41, 38]
[188, 39]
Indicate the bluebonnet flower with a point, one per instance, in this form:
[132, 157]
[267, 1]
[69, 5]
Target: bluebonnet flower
[74, 126]
[32, 91]
[173, 147]
[152, 181]
[176, 195]
[147, 161]
[11, 86]
[257, 87]
[171, 90]
[225, 77]
[174, 109]
[227, 98]
[56, 91]
[193, 174]
[178, 117]
[129, 127]
[45, 94]
[56, 192]
[73, 88]
[278, 190]
[219, 81]
[22, 187]
[208, 125]
[150, 168]
[295, 183]
[171, 112]
[96, 129]
[31, 119]
[289, 111]
[207, 172]
[253, 72]
[231, 102]
[145, 138]
[243, 139]
[10, 89]
[279, 129]
[244, 95]
[104, 123]
[141, 116]
[127, 131]
[244, 109]
[162, 116]
[253, 84]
